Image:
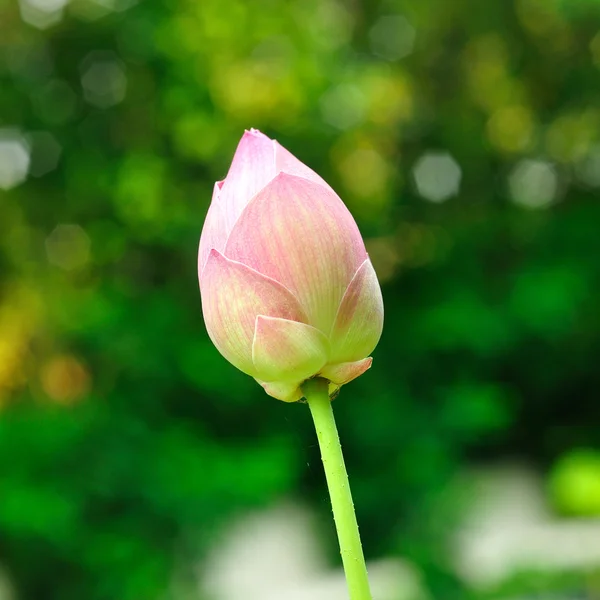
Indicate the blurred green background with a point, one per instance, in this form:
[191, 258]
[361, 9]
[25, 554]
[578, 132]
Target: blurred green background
[464, 137]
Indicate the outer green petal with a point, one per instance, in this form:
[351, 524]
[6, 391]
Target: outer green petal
[286, 391]
[287, 351]
[233, 295]
[344, 372]
[359, 320]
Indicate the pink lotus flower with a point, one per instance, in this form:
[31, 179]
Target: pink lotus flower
[288, 291]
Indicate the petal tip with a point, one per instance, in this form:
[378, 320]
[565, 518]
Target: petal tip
[212, 256]
[253, 134]
[343, 373]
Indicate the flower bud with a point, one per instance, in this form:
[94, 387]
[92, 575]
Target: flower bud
[288, 290]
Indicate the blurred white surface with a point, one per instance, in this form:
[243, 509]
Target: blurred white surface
[14, 158]
[276, 554]
[509, 529]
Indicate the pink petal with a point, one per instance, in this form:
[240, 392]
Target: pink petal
[345, 372]
[287, 351]
[233, 295]
[359, 320]
[299, 233]
[214, 232]
[252, 167]
[256, 161]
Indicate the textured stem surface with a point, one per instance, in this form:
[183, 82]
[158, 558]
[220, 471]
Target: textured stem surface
[317, 395]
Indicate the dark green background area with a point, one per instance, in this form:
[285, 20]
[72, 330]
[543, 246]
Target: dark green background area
[126, 441]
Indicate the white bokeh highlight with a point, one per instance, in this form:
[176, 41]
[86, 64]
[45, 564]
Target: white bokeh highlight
[103, 80]
[437, 176]
[42, 14]
[15, 158]
[533, 183]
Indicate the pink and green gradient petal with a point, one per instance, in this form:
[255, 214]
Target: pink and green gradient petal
[300, 233]
[233, 295]
[282, 390]
[359, 320]
[287, 351]
[214, 232]
[253, 166]
[288, 292]
[342, 373]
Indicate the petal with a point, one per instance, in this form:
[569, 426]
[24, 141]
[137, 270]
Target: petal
[233, 295]
[359, 320]
[288, 392]
[299, 233]
[287, 351]
[345, 372]
[214, 232]
[252, 167]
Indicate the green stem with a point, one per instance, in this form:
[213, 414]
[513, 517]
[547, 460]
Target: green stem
[316, 392]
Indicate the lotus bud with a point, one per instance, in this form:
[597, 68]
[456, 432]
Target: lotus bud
[288, 290]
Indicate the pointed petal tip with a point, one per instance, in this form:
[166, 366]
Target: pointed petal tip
[345, 372]
[253, 136]
[286, 178]
[254, 131]
[213, 255]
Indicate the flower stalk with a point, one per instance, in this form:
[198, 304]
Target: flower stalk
[316, 392]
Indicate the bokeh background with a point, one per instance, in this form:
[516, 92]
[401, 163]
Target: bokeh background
[465, 138]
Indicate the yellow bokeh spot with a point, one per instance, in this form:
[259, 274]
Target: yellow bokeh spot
[536, 16]
[511, 129]
[365, 174]
[486, 64]
[390, 98]
[65, 379]
[253, 92]
[542, 19]
[19, 314]
[569, 138]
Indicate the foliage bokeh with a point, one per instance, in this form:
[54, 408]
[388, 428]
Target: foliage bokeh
[126, 441]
